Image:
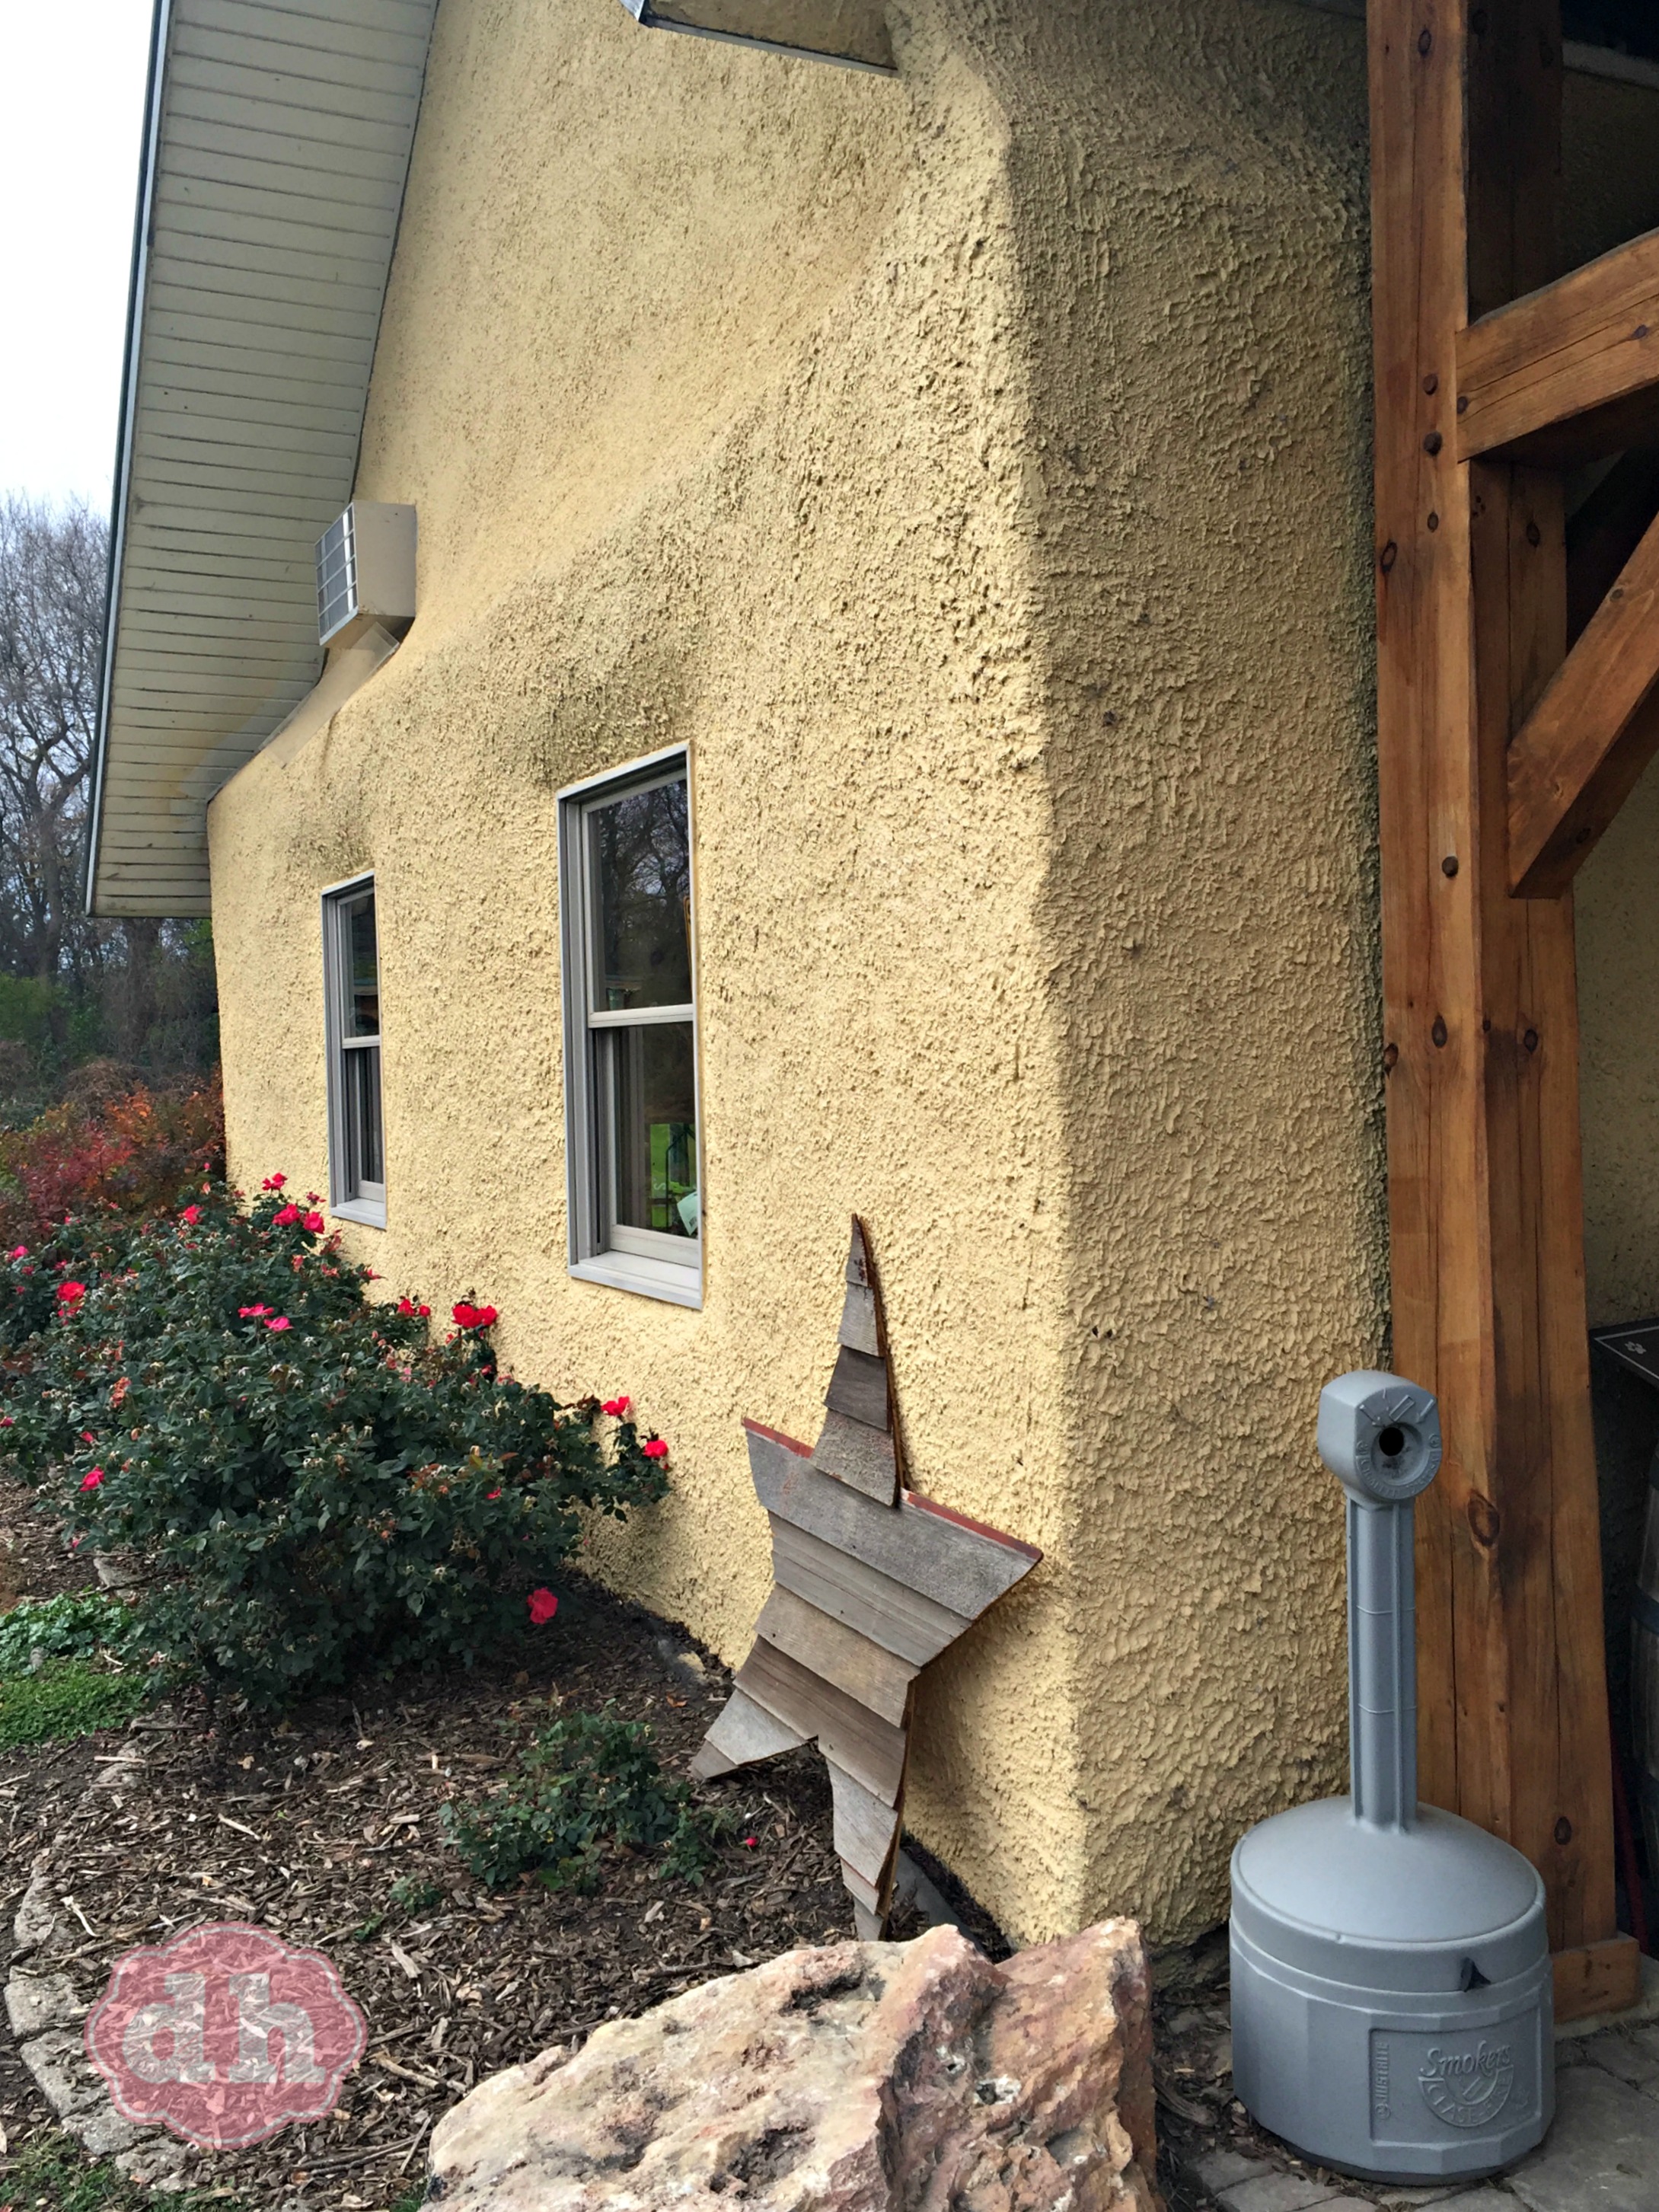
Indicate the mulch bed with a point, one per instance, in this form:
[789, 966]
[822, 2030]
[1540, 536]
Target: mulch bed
[306, 1825]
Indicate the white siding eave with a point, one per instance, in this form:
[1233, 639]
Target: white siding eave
[275, 150]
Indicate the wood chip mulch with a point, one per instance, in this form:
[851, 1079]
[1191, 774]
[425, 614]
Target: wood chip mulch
[306, 1825]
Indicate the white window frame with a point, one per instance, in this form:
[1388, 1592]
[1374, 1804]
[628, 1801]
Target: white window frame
[367, 1205]
[602, 1250]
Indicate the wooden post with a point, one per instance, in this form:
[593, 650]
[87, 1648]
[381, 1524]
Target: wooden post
[1481, 1035]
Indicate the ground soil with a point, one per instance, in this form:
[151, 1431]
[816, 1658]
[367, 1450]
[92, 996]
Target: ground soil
[306, 1825]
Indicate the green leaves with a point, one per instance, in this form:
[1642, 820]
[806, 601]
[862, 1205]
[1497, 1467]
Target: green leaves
[587, 1785]
[337, 1494]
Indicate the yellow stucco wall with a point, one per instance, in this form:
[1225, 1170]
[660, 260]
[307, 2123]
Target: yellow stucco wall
[972, 469]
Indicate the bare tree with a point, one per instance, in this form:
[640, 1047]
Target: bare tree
[52, 571]
[142, 989]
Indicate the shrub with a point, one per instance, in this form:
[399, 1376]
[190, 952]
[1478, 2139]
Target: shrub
[316, 1488]
[109, 1159]
[588, 1785]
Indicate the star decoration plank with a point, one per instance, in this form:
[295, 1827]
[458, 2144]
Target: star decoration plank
[870, 1582]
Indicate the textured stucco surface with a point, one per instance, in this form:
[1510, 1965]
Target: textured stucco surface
[972, 469]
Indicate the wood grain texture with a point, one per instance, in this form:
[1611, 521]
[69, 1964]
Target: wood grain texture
[940, 1557]
[866, 1828]
[1568, 371]
[869, 1748]
[858, 1388]
[1480, 1028]
[864, 1458]
[901, 1620]
[743, 1731]
[858, 1321]
[1578, 754]
[876, 1677]
[1594, 1978]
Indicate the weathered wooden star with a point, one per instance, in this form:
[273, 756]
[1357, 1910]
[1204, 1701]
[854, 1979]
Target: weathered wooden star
[870, 1582]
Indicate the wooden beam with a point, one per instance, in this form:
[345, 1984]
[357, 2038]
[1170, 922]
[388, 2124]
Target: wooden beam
[1571, 370]
[1578, 755]
[1480, 1015]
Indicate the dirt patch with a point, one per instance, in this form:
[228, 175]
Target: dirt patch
[34, 1559]
[325, 1829]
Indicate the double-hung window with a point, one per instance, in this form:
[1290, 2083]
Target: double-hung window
[351, 978]
[630, 1031]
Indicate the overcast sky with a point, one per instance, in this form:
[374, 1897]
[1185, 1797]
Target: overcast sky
[71, 102]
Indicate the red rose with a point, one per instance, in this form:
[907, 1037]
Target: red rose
[282, 1322]
[69, 1296]
[91, 1481]
[191, 1213]
[273, 1183]
[543, 1606]
[616, 1408]
[655, 1449]
[252, 1313]
[315, 1224]
[286, 1218]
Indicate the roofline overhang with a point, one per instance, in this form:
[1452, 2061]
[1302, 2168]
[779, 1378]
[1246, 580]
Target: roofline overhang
[147, 147]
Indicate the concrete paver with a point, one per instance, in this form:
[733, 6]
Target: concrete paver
[1602, 2153]
[1277, 2192]
[1220, 2169]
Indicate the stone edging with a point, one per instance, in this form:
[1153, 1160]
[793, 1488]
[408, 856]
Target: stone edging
[46, 2015]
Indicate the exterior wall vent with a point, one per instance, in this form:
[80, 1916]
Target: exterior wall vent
[366, 572]
[851, 32]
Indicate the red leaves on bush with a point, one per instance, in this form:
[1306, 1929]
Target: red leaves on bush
[141, 1154]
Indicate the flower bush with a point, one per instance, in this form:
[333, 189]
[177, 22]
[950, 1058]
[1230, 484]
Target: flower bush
[315, 1486]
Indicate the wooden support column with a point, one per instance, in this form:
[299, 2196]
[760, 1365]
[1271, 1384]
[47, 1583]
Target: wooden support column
[1481, 1035]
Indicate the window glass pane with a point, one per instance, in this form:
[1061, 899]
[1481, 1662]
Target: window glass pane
[655, 1136]
[639, 854]
[362, 996]
[362, 1119]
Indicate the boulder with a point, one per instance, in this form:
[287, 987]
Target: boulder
[875, 2077]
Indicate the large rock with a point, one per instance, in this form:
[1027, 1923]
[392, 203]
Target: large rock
[875, 2077]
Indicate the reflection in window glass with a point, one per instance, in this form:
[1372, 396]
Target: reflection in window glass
[363, 1105]
[637, 1202]
[654, 1129]
[356, 1146]
[363, 995]
[641, 869]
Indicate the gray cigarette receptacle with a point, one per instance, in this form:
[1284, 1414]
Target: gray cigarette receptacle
[1391, 1997]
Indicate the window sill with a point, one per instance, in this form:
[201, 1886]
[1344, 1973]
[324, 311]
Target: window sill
[363, 1210]
[647, 1279]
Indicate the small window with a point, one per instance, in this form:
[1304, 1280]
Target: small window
[631, 1032]
[352, 974]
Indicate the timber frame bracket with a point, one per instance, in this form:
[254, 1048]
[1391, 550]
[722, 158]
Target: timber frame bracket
[1501, 755]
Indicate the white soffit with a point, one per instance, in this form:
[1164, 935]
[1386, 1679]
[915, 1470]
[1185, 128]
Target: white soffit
[276, 144]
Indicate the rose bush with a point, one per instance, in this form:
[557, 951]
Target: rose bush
[315, 1486]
